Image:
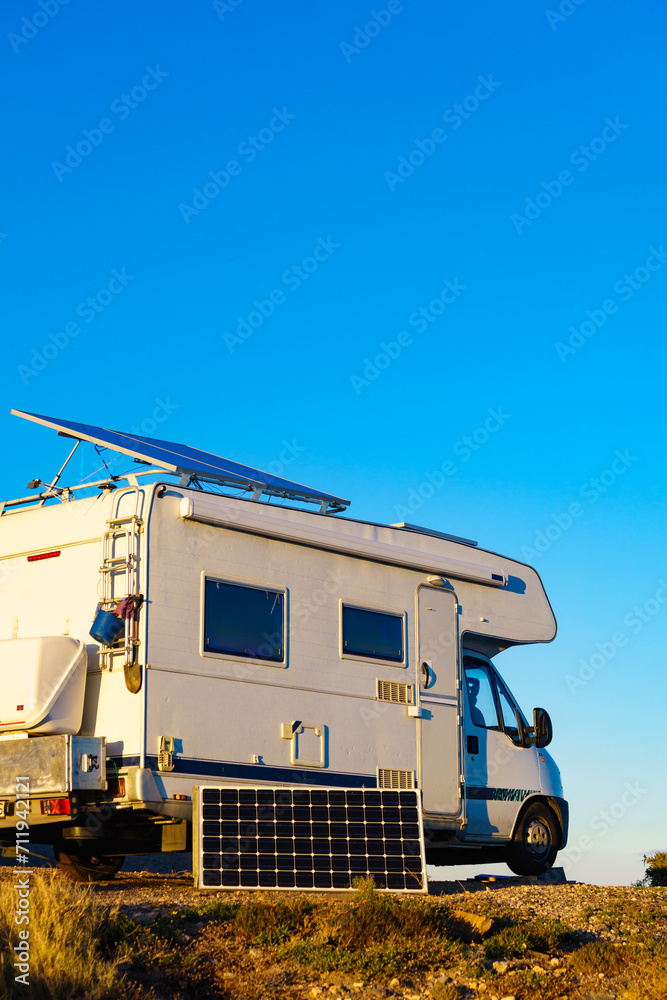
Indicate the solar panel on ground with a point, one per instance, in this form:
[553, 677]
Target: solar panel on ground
[182, 460]
[308, 838]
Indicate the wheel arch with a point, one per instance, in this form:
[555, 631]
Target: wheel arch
[558, 807]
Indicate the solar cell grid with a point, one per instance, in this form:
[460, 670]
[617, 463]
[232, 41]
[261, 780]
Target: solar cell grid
[309, 838]
[182, 459]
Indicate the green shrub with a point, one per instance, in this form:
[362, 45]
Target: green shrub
[656, 869]
[540, 934]
[374, 934]
[599, 957]
[269, 924]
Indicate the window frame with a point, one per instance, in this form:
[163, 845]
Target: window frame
[368, 657]
[501, 682]
[246, 585]
[488, 667]
[497, 681]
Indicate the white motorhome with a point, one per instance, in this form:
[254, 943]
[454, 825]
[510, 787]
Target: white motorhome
[263, 644]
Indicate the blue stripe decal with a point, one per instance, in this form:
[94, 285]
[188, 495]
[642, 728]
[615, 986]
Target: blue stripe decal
[233, 770]
[499, 794]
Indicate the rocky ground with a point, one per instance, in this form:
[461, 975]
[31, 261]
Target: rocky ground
[178, 943]
[628, 919]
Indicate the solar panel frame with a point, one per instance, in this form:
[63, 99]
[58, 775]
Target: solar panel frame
[182, 460]
[307, 838]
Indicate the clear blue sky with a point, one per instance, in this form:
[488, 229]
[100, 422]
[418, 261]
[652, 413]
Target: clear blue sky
[362, 162]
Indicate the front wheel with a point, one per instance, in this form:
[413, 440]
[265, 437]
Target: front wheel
[84, 866]
[535, 843]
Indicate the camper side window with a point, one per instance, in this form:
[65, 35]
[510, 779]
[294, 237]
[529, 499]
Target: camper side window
[373, 633]
[243, 621]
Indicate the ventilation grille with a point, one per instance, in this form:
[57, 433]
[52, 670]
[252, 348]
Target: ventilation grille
[396, 780]
[308, 838]
[398, 694]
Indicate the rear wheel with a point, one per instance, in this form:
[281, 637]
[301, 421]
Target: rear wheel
[535, 843]
[85, 866]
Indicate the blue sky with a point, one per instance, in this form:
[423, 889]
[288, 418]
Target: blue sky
[244, 224]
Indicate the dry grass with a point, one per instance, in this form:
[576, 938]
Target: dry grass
[67, 957]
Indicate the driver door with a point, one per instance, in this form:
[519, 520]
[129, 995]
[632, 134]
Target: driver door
[499, 772]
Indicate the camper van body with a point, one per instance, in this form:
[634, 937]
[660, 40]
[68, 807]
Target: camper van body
[371, 642]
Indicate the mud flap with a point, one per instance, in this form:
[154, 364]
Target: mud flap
[174, 836]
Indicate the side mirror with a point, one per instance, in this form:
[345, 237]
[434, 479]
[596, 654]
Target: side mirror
[541, 733]
[542, 727]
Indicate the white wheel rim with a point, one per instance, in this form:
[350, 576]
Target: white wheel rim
[538, 838]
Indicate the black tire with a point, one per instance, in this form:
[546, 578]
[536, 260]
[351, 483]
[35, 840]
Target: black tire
[536, 841]
[80, 866]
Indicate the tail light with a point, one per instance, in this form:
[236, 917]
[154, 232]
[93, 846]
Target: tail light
[55, 807]
[117, 787]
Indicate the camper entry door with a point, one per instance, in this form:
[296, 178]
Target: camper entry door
[438, 672]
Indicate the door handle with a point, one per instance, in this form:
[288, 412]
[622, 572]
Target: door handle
[426, 674]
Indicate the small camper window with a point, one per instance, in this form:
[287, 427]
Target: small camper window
[372, 633]
[243, 621]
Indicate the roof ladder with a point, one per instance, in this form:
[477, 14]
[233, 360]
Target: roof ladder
[120, 578]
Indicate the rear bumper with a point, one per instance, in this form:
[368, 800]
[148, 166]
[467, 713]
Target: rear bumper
[35, 768]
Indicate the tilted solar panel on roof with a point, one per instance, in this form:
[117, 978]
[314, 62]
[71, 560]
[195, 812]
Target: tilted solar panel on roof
[182, 460]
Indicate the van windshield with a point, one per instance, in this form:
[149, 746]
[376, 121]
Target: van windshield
[490, 702]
